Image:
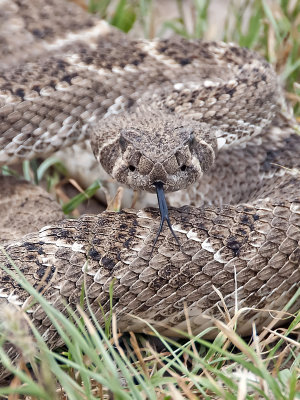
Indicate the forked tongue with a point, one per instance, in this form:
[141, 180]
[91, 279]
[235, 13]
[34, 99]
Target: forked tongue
[163, 210]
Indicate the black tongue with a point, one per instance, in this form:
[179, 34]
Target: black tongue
[163, 210]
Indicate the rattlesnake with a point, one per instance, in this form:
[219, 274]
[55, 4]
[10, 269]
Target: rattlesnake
[205, 118]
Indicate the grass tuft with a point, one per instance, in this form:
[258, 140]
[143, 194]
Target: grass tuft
[93, 365]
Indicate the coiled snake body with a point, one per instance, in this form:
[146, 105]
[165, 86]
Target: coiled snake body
[205, 117]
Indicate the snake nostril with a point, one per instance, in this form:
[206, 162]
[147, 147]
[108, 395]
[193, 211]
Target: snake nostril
[183, 167]
[131, 168]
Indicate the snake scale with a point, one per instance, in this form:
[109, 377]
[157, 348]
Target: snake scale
[205, 119]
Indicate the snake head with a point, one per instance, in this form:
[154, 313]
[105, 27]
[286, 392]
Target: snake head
[145, 147]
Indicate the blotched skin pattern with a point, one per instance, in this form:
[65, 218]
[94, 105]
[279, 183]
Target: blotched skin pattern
[203, 117]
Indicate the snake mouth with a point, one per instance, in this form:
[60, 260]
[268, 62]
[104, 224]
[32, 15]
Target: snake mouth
[164, 213]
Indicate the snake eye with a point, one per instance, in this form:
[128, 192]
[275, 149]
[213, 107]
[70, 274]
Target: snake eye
[131, 168]
[183, 167]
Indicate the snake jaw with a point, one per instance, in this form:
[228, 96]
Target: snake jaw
[163, 210]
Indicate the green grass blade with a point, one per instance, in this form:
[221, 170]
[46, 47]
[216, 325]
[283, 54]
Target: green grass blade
[48, 163]
[124, 16]
[81, 197]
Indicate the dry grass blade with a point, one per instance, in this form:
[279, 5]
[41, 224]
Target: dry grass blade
[180, 380]
[279, 316]
[225, 313]
[279, 360]
[138, 353]
[189, 330]
[60, 194]
[256, 345]
[116, 336]
[115, 203]
[287, 339]
[235, 339]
